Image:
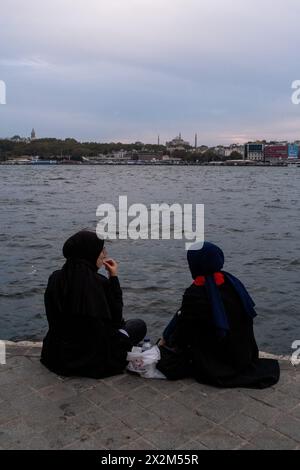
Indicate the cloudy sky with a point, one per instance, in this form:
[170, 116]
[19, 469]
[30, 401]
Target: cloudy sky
[127, 70]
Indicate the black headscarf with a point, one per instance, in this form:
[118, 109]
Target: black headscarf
[80, 289]
[84, 245]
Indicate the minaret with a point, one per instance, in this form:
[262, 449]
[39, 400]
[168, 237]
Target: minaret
[180, 135]
[33, 135]
[158, 140]
[196, 141]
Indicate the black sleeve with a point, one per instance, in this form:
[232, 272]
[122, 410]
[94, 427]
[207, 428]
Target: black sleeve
[114, 297]
[52, 297]
[190, 316]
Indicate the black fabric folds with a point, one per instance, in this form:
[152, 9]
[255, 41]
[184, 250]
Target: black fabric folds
[84, 313]
[230, 361]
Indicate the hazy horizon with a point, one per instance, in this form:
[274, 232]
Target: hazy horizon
[128, 70]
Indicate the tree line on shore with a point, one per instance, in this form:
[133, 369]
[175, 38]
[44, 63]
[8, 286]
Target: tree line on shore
[51, 148]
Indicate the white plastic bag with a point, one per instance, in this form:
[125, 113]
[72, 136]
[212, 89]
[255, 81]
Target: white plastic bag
[144, 363]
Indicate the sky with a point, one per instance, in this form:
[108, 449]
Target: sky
[128, 70]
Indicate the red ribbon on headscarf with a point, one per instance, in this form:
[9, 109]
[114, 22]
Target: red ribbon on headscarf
[219, 280]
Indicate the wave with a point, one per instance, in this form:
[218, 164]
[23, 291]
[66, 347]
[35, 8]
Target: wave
[22, 294]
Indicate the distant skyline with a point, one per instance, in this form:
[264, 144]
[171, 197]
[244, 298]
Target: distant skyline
[128, 70]
[33, 136]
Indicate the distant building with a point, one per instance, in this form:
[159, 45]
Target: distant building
[254, 152]
[227, 151]
[120, 154]
[275, 154]
[219, 150]
[177, 144]
[293, 151]
[33, 135]
[147, 156]
[97, 158]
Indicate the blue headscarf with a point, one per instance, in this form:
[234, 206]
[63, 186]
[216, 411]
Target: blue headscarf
[207, 261]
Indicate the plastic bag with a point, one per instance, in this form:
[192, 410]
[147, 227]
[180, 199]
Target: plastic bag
[144, 363]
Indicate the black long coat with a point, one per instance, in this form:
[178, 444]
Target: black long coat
[230, 361]
[87, 343]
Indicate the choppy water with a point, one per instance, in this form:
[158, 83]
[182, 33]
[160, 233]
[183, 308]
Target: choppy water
[253, 213]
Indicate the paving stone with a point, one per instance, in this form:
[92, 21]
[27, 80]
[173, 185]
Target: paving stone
[58, 391]
[192, 445]
[19, 361]
[14, 433]
[167, 387]
[166, 436]
[102, 393]
[120, 408]
[287, 365]
[88, 443]
[289, 426]
[127, 382]
[277, 399]
[291, 388]
[139, 444]
[236, 398]
[80, 384]
[248, 446]
[63, 433]
[176, 414]
[272, 440]
[146, 396]
[21, 351]
[207, 390]
[220, 409]
[13, 376]
[7, 412]
[74, 406]
[40, 368]
[36, 442]
[262, 412]
[25, 404]
[219, 439]
[95, 419]
[7, 391]
[142, 420]
[114, 378]
[36, 411]
[243, 426]
[191, 397]
[113, 438]
[296, 412]
[42, 379]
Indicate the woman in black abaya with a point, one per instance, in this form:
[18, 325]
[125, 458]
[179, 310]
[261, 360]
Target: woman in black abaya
[87, 333]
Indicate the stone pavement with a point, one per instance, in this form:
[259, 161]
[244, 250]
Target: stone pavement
[39, 410]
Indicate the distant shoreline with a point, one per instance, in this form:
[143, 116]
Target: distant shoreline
[131, 164]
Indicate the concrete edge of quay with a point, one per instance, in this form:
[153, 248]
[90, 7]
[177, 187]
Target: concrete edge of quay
[38, 344]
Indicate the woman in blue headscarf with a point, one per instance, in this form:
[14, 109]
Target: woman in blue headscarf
[211, 337]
